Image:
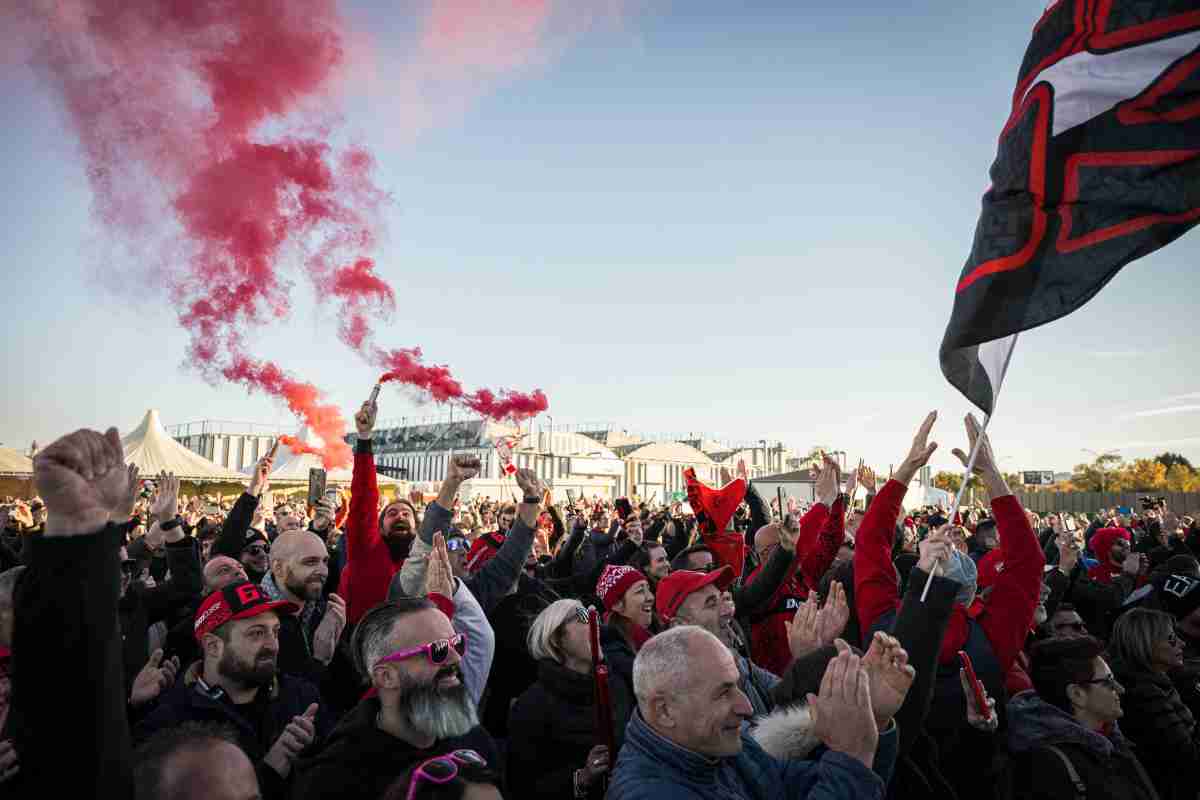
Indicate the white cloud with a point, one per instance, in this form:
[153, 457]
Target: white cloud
[1178, 397]
[1187, 440]
[1162, 412]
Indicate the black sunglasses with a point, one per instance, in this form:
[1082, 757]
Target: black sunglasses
[257, 550]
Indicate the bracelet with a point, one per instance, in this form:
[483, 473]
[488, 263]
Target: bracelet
[170, 524]
[537, 501]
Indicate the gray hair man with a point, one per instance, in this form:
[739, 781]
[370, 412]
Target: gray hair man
[686, 738]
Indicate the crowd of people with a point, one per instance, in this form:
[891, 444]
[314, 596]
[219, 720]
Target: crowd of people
[423, 647]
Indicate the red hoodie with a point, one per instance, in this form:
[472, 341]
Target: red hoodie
[369, 566]
[1006, 617]
[822, 531]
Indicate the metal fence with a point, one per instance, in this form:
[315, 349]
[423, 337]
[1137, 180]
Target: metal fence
[1091, 502]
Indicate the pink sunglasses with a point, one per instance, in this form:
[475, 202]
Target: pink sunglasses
[443, 769]
[436, 651]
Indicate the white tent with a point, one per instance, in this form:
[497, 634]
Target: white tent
[154, 451]
[293, 467]
[13, 463]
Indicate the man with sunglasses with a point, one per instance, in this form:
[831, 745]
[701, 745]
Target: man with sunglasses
[238, 538]
[413, 657]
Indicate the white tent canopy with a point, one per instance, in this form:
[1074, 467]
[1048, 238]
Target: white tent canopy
[293, 467]
[154, 451]
[13, 462]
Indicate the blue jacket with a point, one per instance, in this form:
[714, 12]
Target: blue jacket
[652, 768]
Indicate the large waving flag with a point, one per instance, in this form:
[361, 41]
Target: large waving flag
[1098, 165]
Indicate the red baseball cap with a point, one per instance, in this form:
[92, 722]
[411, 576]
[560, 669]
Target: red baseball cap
[674, 589]
[239, 600]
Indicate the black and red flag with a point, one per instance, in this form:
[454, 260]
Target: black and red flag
[1098, 165]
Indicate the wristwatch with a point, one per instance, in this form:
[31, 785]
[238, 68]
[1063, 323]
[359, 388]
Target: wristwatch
[537, 501]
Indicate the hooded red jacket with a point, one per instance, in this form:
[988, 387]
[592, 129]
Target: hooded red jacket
[369, 566]
[822, 531]
[1005, 618]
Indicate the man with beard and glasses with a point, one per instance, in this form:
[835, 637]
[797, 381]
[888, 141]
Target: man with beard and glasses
[276, 716]
[421, 708]
[308, 639]
[237, 538]
[377, 547]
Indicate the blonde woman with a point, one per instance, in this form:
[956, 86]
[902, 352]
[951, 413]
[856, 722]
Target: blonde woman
[553, 752]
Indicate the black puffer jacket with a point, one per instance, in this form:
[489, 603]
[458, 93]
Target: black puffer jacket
[552, 728]
[1106, 764]
[1163, 729]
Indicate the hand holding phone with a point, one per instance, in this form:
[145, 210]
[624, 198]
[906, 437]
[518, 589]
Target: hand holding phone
[982, 714]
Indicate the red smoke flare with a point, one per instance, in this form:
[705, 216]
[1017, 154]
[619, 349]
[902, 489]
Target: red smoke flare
[209, 157]
[298, 447]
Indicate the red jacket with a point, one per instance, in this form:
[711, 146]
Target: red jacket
[822, 531]
[483, 550]
[369, 566]
[1008, 613]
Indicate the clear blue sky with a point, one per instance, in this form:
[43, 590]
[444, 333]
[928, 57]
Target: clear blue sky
[741, 218]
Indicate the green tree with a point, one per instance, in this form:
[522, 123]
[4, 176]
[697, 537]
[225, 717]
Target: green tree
[1145, 475]
[1102, 475]
[1169, 460]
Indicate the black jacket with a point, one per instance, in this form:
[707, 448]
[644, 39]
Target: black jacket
[167, 602]
[361, 761]
[288, 697]
[68, 691]
[552, 727]
[1106, 765]
[1163, 730]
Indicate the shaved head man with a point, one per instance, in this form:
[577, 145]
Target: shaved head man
[299, 566]
[221, 571]
[194, 760]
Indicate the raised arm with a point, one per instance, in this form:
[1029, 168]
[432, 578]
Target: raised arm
[500, 574]
[1015, 594]
[363, 539]
[233, 531]
[65, 627]
[817, 555]
[876, 590]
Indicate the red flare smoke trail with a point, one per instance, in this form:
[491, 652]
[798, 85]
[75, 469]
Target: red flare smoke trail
[298, 447]
[169, 100]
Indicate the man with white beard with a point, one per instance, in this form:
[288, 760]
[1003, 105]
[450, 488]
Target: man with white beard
[420, 708]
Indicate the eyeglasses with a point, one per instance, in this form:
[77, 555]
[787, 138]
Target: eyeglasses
[436, 651]
[443, 769]
[1109, 681]
[257, 550]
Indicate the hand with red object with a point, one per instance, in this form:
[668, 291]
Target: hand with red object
[984, 720]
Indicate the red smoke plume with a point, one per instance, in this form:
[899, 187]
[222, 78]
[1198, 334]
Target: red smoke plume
[298, 447]
[170, 101]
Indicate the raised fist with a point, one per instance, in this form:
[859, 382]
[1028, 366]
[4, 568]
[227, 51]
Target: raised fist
[82, 479]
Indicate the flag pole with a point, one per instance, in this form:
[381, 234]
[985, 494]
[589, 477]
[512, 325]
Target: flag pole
[969, 472]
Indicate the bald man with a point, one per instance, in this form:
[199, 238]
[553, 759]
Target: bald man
[221, 571]
[307, 639]
[194, 760]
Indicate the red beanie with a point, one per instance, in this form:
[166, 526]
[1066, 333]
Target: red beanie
[1103, 539]
[614, 582]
